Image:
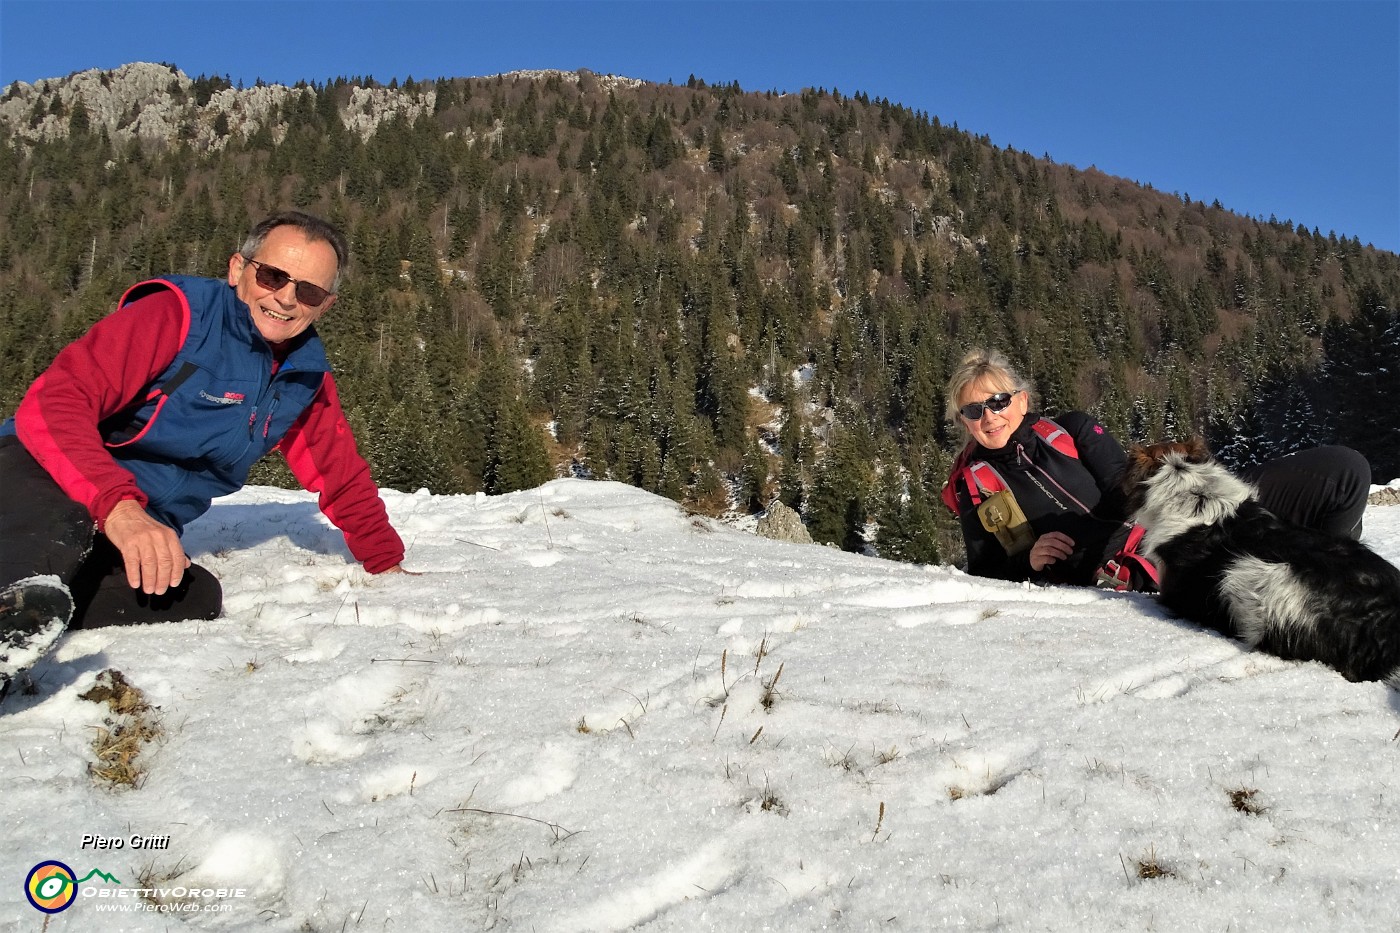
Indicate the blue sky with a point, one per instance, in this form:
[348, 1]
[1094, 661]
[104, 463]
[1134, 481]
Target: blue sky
[1289, 109]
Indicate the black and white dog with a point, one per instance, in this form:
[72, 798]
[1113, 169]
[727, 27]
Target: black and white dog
[1230, 564]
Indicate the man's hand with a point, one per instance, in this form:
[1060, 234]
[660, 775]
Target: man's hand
[1050, 547]
[155, 560]
[398, 568]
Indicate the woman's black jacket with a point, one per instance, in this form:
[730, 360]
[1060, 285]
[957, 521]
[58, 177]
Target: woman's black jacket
[1077, 496]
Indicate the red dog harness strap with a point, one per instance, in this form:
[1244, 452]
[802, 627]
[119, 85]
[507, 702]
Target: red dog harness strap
[1117, 574]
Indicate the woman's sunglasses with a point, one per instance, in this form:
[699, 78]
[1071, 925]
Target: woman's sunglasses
[274, 280]
[998, 403]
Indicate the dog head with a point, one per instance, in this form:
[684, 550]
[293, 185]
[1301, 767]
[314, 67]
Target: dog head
[1145, 461]
[1171, 487]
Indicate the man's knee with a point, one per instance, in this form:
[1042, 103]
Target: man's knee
[1352, 469]
[198, 596]
[1350, 485]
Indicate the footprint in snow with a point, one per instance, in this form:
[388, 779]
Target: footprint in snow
[343, 714]
[974, 773]
[552, 772]
[962, 615]
[1160, 680]
[703, 874]
[237, 860]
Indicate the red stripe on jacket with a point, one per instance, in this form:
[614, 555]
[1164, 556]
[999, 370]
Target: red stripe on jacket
[91, 379]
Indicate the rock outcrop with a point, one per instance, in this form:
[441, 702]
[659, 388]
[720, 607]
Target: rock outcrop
[783, 524]
[160, 102]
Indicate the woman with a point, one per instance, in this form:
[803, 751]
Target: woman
[1067, 519]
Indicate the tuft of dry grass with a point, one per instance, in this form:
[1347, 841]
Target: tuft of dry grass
[770, 802]
[1149, 866]
[1244, 800]
[845, 762]
[150, 878]
[122, 737]
[116, 691]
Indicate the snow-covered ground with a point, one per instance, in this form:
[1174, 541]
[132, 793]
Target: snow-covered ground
[594, 712]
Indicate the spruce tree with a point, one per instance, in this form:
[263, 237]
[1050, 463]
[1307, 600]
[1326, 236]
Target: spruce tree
[836, 503]
[753, 480]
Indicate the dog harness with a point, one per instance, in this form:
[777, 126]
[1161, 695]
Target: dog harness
[1117, 573]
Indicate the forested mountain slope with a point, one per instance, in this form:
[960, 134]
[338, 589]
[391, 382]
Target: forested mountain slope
[700, 290]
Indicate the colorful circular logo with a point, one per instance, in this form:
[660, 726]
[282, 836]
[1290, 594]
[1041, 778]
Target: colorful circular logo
[51, 887]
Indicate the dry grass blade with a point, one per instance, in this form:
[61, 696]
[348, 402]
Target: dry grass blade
[770, 693]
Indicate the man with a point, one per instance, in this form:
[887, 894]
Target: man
[163, 405]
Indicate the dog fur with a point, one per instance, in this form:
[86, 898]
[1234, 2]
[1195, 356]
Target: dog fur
[1228, 563]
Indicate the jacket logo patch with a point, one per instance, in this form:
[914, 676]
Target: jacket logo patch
[228, 398]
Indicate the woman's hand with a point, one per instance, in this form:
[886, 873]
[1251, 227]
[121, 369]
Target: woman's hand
[151, 551]
[1050, 547]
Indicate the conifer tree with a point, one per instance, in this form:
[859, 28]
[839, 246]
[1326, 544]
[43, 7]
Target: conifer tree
[515, 454]
[1359, 377]
[836, 503]
[753, 480]
[908, 531]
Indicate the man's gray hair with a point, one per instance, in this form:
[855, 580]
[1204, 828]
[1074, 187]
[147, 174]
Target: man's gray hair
[314, 228]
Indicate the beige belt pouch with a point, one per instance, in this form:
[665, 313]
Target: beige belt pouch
[1002, 516]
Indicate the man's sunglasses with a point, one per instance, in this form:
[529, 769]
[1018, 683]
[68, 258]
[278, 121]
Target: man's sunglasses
[274, 280]
[998, 403]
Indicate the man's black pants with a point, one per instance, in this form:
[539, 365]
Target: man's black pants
[42, 531]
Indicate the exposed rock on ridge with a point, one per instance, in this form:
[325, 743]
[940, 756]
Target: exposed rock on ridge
[149, 101]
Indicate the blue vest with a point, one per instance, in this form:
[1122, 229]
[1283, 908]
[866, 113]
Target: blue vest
[201, 425]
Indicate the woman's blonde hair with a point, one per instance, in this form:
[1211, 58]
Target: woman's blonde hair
[989, 366]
